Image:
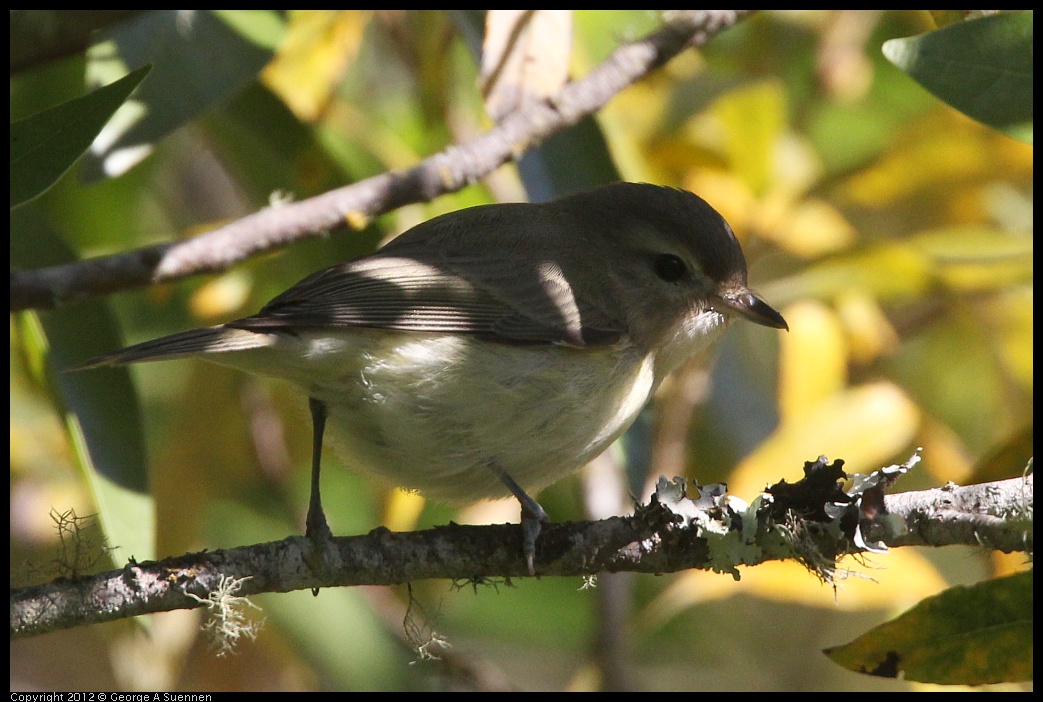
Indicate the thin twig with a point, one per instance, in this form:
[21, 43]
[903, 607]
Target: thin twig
[450, 170]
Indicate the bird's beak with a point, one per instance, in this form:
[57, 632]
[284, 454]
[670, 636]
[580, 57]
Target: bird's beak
[746, 304]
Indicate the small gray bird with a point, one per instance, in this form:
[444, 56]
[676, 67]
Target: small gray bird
[491, 351]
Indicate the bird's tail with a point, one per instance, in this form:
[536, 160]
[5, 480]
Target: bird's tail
[195, 342]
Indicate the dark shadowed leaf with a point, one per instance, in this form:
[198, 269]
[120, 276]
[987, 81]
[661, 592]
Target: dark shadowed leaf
[46, 144]
[982, 67]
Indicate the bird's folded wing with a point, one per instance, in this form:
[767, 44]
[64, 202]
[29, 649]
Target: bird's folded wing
[521, 302]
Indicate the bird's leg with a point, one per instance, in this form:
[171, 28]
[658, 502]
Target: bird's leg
[316, 528]
[323, 558]
[532, 519]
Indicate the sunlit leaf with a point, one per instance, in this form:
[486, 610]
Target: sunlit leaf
[402, 511]
[887, 272]
[525, 57]
[574, 159]
[753, 119]
[869, 332]
[978, 258]
[220, 297]
[810, 228]
[310, 63]
[866, 426]
[969, 635]
[949, 456]
[813, 359]
[901, 578]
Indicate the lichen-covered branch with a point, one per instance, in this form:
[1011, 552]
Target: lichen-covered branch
[673, 533]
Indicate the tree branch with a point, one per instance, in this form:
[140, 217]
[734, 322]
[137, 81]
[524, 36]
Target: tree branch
[977, 514]
[672, 533]
[278, 226]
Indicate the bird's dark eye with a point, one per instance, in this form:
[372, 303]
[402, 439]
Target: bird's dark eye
[670, 268]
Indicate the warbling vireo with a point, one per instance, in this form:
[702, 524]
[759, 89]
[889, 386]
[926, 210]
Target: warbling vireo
[491, 351]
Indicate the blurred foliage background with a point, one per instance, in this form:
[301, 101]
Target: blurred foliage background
[893, 233]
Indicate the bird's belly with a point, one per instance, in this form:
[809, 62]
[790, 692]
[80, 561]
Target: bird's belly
[443, 414]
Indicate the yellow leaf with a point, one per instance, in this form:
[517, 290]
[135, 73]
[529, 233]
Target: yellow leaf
[1009, 319]
[935, 154]
[892, 582]
[978, 258]
[402, 511]
[222, 296]
[868, 330]
[308, 67]
[811, 228]
[886, 272]
[866, 426]
[753, 119]
[813, 360]
[949, 456]
[728, 194]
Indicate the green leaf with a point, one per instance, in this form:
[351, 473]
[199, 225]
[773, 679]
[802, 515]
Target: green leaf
[963, 636]
[99, 409]
[201, 60]
[982, 67]
[45, 145]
